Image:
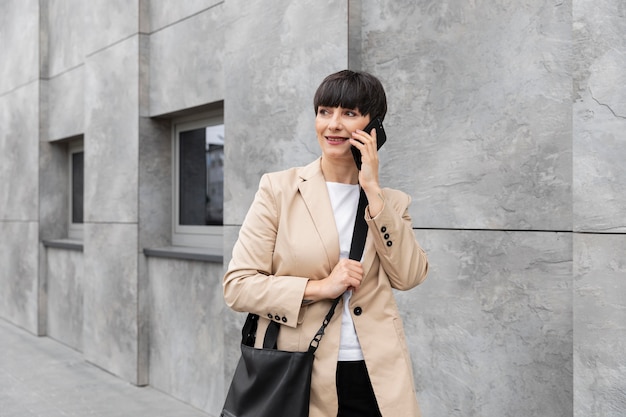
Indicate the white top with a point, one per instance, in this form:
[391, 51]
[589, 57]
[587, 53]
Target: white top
[344, 199]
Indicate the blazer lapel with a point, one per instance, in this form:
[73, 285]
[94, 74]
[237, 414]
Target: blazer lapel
[315, 195]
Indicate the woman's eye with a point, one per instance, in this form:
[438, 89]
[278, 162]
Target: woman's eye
[351, 113]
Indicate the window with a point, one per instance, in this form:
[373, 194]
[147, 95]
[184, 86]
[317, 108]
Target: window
[76, 188]
[198, 181]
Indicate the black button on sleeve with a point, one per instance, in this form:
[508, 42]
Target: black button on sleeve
[389, 243]
[270, 316]
[284, 319]
[383, 229]
[386, 236]
[358, 311]
[277, 318]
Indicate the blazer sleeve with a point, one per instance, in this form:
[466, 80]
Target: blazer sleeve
[249, 284]
[401, 256]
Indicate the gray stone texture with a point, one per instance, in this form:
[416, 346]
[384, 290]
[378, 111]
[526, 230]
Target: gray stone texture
[19, 135]
[155, 183]
[65, 296]
[19, 21]
[66, 104]
[599, 116]
[479, 109]
[186, 331]
[490, 331]
[19, 144]
[53, 190]
[599, 194]
[505, 124]
[165, 13]
[275, 58]
[599, 325]
[108, 22]
[18, 273]
[65, 36]
[110, 299]
[111, 133]
[187, 57]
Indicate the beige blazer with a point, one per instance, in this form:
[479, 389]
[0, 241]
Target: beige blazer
[289, 237]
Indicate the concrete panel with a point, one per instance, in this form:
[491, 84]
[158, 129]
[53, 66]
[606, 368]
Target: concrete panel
[479, 121]
[19, 20]
[186, 63]
[111, 298]
[66, 35]
[600, 116]
[112, 132]
[18, 274]
[186, 331]
[53, 190]
[19, 145]
[599, 325]
[155, 183]
[490, 330]
[109, 22]
[66, 104]
[271, 76]
[164, 12]
[64, 277]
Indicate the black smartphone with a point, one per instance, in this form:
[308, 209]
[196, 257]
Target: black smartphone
[381, 138]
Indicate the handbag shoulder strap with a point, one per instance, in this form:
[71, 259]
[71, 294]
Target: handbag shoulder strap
[359, 232]
[248, 331]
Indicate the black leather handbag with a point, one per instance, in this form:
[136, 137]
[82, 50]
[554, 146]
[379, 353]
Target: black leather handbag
[273, 383]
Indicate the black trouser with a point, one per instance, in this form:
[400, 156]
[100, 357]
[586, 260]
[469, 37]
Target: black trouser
[354, 389]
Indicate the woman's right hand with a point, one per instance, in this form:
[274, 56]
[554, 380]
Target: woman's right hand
[346, 275]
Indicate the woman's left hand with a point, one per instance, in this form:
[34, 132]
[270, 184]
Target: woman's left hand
[368, 176]
[365, 142]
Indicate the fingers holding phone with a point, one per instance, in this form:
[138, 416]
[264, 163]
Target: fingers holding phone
[365, 145]
[372, 133]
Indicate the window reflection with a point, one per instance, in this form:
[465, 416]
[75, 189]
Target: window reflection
[78, 169]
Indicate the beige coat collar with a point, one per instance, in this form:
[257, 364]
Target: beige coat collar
[315, 194]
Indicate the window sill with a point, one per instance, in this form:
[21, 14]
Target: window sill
[68, 244]
[185, 252]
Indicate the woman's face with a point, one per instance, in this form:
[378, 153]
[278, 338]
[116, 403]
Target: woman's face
[334, 127]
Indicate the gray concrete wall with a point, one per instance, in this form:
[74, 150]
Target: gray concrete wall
[271, 76]
[505, 123]
[186, 56]
[480, 127]
[599, 194]
[186, 331]
[64, 315]
[19, 136]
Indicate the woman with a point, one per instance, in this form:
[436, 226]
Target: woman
[291, 260]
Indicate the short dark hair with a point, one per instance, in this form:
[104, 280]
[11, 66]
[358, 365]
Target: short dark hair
[352, 90]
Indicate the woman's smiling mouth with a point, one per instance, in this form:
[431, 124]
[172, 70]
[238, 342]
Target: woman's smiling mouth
[335, 140]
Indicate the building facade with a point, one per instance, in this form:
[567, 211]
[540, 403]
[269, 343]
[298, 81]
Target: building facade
[506, 124]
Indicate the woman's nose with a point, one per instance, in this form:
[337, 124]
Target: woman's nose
[335, 122]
